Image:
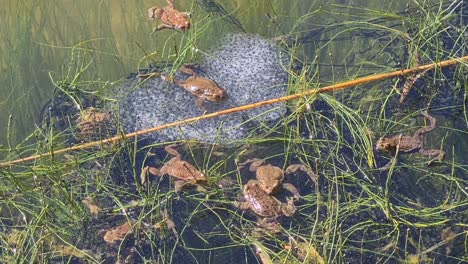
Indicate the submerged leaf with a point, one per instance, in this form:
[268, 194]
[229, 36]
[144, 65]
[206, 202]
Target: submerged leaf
[92, 207]
[308, 254]
[118, 233]
[264, 257]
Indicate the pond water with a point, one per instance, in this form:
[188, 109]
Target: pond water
[37, 38]
[354, 211]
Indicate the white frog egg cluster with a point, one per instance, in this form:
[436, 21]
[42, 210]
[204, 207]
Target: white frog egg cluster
[248, 67]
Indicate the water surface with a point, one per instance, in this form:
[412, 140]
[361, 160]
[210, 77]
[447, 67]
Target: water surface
[37, 38]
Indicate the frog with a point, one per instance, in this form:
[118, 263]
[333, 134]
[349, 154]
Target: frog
[412, 143]
[91, 121]
[203, 89]
[271, 177]
[170, 17]
[184, 172]
[264, 205]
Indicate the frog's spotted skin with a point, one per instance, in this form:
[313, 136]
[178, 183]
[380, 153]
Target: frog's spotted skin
[263, 204]
[202, 88]
[181, 170]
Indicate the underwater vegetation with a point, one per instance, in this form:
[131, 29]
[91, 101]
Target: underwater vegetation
[375, 173]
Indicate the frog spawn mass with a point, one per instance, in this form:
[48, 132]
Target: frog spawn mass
[248, 67]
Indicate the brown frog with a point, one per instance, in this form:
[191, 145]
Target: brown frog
[411, 143]
[170, 17]
[270, 178]
[183, 171]
[266, 206]
[91, 122]
[202, 88]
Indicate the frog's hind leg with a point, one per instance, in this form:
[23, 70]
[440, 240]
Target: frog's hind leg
[143, 76]
[426, 129]
[295, 167]
[149, 171]
[433, 152]
[270, 224]
[161, 27]
[188, 68]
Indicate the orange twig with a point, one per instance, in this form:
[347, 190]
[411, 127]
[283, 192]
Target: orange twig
[329, 88]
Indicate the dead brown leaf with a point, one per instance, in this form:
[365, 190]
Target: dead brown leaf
[305, 251]
[264, 257]
[92, 207]
[409, 83]
[117, 234]
[167, 223]
[308, 254]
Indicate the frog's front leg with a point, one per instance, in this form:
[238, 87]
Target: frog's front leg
[200, 102]
[288, 209]
[255, 163]
[187, 14]
[170, 79]
[433, 152]
[170, 3]
[170, 149]
[292, 189]
[180, 185]
[388, 165]
[295, 167]
[244, 205]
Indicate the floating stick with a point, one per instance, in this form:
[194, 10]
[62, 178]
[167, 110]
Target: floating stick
[329, 88]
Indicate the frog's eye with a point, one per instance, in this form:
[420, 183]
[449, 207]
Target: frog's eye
[221, 95]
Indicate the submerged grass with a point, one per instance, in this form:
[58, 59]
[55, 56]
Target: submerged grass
[352, 212]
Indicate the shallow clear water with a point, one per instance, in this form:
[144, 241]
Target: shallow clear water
[37, 38]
